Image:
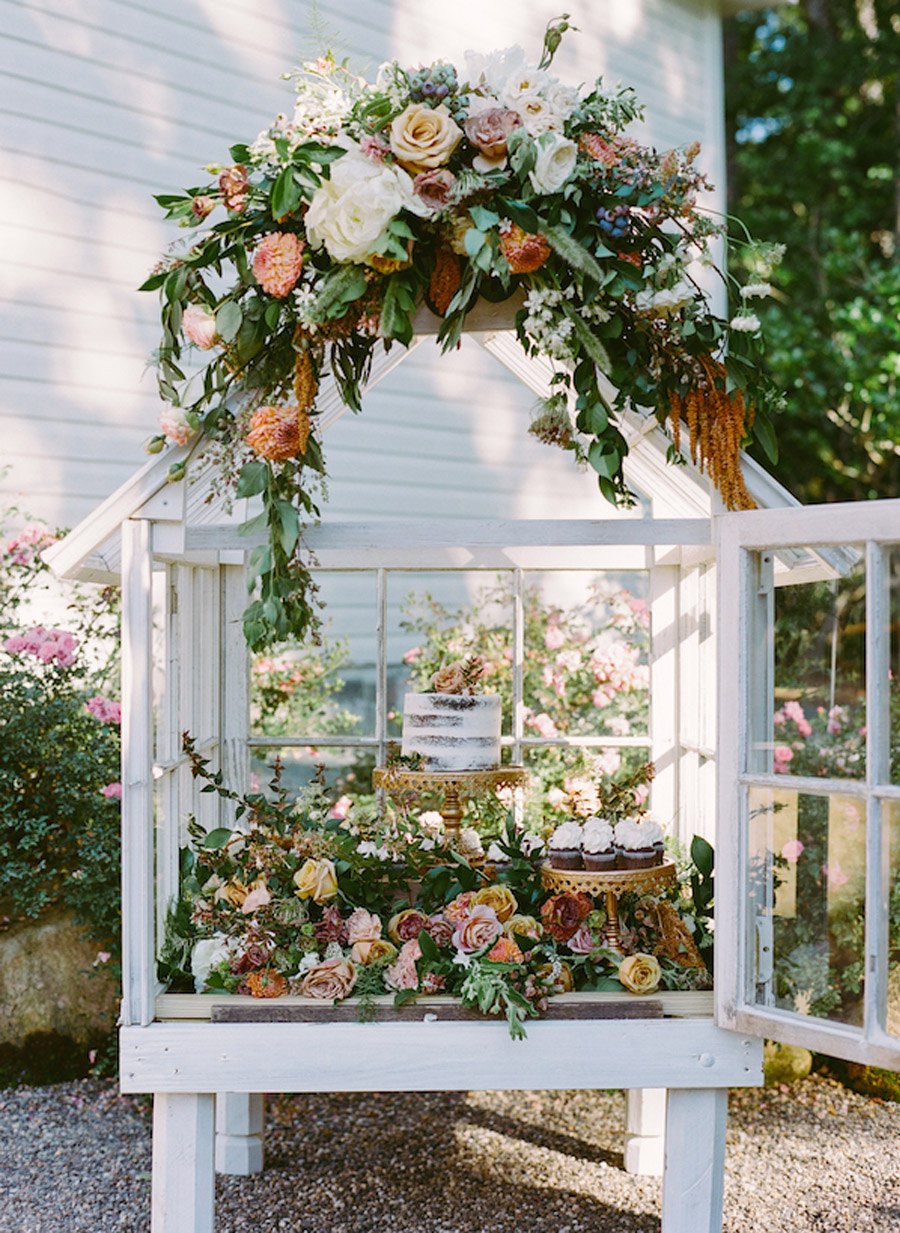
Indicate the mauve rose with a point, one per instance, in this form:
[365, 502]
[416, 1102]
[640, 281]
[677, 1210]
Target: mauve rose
[479, 928]
[488, 132]
[402, 974]
[330, 980]
[363, 926]
[235, 187]
[562, 914]
[582, 942]
[201, 206]
[434, 187]
[406, 925]
[199, 326]
[441, 930]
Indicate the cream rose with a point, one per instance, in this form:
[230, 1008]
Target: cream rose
[523, 927]
[316, 880]
[423, 137]
[500, 898]
[207, 954]
[349, 211]
[329, 981]
[640, 973]
[555, 162]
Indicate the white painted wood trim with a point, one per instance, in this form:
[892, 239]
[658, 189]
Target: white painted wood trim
[183, 1197]
[810, 526]
[665, 700]
[645, 1131]
[679, 1005]
[240, 1133]
[878, 771]
[368, 537]
[234, 686]
[435, 1056]
[138, 860]
[694, 1178]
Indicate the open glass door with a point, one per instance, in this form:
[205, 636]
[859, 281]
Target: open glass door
[808, 844]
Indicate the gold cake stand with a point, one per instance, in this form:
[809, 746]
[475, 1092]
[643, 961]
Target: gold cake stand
[612, 883]
[456, 787]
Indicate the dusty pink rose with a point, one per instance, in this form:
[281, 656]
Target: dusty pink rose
[104, 710]
[402, 973]
[554, 638]
[434, 187]
[112, 791]
[175, 425]
[329, 981]
[783, 755]
[258, 897]
[441, 930]
[792, 850]
[363, 926]
[199, 326]
[478, 929]
[235, 187]
[47, 645]
[459, 908]
[488, 132]
[406, 925]
[543, 725]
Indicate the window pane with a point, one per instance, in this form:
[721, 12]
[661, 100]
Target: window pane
[329, 689]
[587, 638]
[346, 772]
[434, 618]
[807, 873]
[891, 816]
[807, 680]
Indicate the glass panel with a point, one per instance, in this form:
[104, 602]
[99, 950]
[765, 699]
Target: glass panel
[347, 773]
[807, 873]
[587, 639]
[891, 816]
[808, 703]
[434, 618]
[576, 782]
[325, 690]
[893, 559]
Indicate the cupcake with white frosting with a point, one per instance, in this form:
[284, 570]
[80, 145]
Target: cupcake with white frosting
[565, 846]
[638, 843]
[598, 849]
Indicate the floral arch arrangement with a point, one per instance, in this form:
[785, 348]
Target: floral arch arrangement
[436, 187]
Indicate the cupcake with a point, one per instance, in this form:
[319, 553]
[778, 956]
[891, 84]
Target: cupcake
[597, 847]
[498, 858]
[638, 844]
[565, 846]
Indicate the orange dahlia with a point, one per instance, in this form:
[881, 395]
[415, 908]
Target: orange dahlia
[524, 252]
[277, 263]
[505, 950]
[266, 984]
[278, 433]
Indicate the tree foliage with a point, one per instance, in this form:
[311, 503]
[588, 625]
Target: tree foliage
[813, 112]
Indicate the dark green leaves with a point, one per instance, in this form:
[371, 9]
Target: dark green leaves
[252, 479]
[398, 307]
[285, 196]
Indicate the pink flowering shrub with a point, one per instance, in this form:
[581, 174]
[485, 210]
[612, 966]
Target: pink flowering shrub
[59, 770]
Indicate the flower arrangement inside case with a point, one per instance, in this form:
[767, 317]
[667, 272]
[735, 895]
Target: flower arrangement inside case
[439, 185]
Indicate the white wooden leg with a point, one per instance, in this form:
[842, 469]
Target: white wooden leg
[694, 1175]
[240, 1131]
[645, 1127]
[183, 1176]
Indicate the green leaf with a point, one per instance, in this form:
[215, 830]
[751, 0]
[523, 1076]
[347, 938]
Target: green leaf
[522, 214]
[593, 419]
[428, 947]
[765, 435]
[217, 838]
[607, 463]
[702, 855]
[474, 241]
[483, 218]
[290, 525]
[252, 479]
[228, 320]
[590, 343]
[576, 257]
[395, 317]
[285, 195]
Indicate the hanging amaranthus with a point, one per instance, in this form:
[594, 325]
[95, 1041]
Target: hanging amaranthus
[718, 424]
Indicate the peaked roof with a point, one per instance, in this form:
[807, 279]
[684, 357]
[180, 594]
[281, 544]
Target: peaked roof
[90, 552]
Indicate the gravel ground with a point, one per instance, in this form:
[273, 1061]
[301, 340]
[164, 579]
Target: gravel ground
[75, 1158]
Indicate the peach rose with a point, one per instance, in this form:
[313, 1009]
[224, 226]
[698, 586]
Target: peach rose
[257, 898]
[458, 909]
[424, 137]
[330, 980]
[199, 326]
[451, 679]
[505, 950]
[363, 926]
[316, 880]
[372, 951]
[640, 973]
[478, 929]
[500, 898]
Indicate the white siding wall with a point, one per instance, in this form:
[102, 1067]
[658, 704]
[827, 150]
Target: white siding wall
[103, 102]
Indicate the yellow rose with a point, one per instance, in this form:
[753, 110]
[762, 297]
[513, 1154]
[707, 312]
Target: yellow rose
[524, 926]
[372, 951]
[500, 898]
[316, 880]
[424, 137]
[640, 973]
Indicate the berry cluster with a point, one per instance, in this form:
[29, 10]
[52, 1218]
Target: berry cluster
[615, 221]
[433, 84]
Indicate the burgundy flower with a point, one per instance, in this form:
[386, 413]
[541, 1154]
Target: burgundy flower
[562, 914]
[412, 925]
[332, 927]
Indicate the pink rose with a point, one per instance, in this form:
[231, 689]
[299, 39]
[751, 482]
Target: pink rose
[582, 942]
[554, 638]
[835, 875]
[363, 926]
[402, 973]
[112, 791]
[488, 132]
[479, 928]
[441, 930]
[341, 808]
[543, 725]
[434, 187]
[104, 710]
[199, 326]
[258, 898]
[792, 850]
[175, 425]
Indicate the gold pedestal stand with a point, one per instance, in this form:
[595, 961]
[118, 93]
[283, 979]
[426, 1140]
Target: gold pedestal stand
[457, 787]
[612, 883]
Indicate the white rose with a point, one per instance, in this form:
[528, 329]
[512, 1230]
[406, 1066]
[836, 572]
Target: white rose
[206, 955]
[555, 163]
[522, 85]
[493, 70]
[349, 212]
[561, 99]
[538, 116]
